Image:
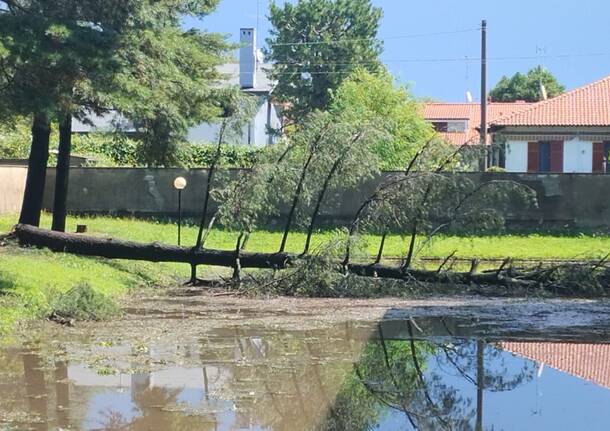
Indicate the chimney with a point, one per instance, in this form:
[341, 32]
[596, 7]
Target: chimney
[247, 58]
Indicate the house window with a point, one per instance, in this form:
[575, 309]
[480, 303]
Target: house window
[545, 156]
[449, 126]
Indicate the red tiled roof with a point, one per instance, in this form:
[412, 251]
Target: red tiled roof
[470, 112]
[588, 361]
[584, 106]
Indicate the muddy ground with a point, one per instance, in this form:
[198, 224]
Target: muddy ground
[182, 313]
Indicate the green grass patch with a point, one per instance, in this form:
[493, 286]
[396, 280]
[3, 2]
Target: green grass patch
[32, 279]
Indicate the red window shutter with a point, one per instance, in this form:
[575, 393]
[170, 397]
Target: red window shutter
[557, 156]
[532, 156]
[598, 157]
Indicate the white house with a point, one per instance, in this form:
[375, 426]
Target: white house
[249, 73]
[569, 133]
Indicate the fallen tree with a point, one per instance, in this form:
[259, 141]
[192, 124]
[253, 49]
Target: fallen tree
[85, 245]
[111, 248]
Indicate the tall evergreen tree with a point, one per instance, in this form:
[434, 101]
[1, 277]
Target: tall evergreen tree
[64, 58]
[315, 45]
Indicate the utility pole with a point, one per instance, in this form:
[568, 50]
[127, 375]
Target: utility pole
[480, 384]
[484, 89]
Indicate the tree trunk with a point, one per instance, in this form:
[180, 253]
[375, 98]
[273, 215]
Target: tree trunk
[480, 384]
[316, 211]
[295, 202]
[208, 187]
[295, 199]
[409, 258]
[37, 171]
[381, 246]
[156, 252]
[322, 194]
[62, 174]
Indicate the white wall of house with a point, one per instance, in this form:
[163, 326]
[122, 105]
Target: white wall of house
[516, 156]
[577, 156]
[254, 134]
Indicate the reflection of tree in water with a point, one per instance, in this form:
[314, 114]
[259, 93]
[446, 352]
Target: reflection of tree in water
[415, 378]
[337, 380]
[283, 380]
[155, 405]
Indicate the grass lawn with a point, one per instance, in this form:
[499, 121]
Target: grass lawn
[33, 277]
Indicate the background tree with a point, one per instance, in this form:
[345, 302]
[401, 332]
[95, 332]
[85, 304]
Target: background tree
[315, 45]
[526, 87]
[373, 97]
[167, 86]
[65, 58]
[45, 48]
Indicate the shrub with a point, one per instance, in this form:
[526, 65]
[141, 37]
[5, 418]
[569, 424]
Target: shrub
[108, 149]
[234, 156]
[82, 302]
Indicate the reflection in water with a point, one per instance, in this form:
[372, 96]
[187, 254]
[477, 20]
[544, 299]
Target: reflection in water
[35, 390]
[397, 375]
[62, 391]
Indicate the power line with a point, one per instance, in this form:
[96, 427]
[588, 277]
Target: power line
[446, 60]
[368, 39]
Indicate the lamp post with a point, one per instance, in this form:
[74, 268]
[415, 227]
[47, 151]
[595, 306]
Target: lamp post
[179, 184]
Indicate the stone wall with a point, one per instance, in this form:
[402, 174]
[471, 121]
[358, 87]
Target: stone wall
[565, 200]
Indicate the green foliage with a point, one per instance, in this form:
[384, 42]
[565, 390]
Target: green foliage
[14, 139]
[372, 97]
[246, 201]
[83, 303]
[432, 202]
[315, 45]
[319, 276]
[176, 92]
[107, 149]
[591, 281]
[526, 87]
[232, 156]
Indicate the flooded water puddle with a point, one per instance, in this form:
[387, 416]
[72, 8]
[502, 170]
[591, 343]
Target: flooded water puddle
[413, 368]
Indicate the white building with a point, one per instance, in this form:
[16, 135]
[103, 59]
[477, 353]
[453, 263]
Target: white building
[569, 133]
[249, 74]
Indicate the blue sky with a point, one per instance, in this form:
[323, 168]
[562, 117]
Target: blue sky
[570, 38]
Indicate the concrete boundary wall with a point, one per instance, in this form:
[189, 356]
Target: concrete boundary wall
[12, 186]
[565, 200]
